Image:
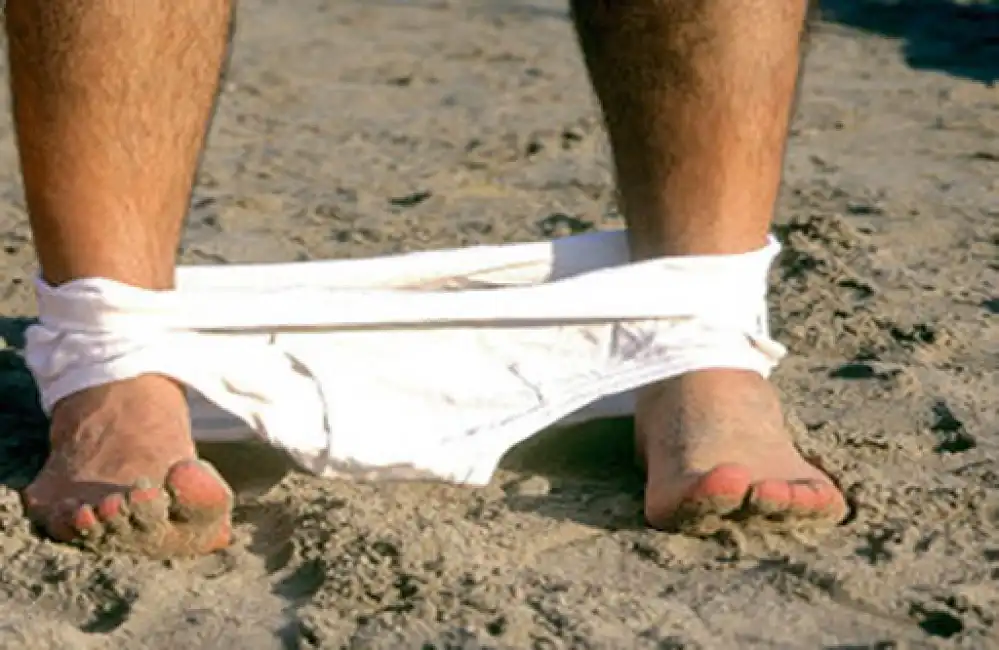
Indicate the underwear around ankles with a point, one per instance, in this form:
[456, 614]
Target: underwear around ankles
[424, 365]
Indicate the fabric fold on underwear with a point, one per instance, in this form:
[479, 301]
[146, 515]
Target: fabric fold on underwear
[422, 365]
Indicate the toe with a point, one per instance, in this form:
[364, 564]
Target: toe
[220, 538]
[87, 527]
[817, 500]
[200, 508]
[198, 495]
[831, 504]
[148, 507]
[112, 511]
[722, 489]
[808, 499]
[714, 494]
[770, 498]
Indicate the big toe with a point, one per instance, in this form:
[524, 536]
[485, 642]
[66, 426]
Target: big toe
[715, 493]
[188, 515]
[198, 494]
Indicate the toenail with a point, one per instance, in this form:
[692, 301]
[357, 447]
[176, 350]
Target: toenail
[195, 483]
[111, 506]
[723, 480]
[771, 492]
[84, 520]
[140, 495]
[191, 471]
[806, 497]
[826, 495]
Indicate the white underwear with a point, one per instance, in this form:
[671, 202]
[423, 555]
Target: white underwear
[429, 364]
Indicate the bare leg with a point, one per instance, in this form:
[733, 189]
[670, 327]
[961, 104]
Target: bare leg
[697, 96]
[112, 99]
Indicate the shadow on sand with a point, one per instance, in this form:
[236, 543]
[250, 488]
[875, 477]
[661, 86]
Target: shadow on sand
[959, 37]
[23, 426]
[589, 474]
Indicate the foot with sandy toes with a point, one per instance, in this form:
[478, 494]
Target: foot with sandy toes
[715, 447]
[110, 128]
[123, 475]
[697, 106]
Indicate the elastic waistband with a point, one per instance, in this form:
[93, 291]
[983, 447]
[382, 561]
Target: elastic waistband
[726, 288]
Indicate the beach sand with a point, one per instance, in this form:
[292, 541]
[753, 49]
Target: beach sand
[350, 128]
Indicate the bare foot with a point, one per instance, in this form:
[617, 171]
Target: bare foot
[715, 447]
[123, 474]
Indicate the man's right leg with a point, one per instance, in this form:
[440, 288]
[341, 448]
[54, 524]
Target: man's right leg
[112, 100]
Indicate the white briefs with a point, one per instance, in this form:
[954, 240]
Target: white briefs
[430, 364]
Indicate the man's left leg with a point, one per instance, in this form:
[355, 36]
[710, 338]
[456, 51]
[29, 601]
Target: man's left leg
[697, 95]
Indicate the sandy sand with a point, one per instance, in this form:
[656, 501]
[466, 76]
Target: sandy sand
[351, 128]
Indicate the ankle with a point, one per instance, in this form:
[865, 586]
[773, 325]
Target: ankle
[728, 241]
[76, 410]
